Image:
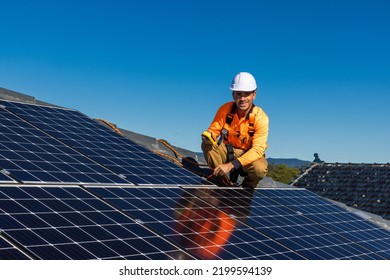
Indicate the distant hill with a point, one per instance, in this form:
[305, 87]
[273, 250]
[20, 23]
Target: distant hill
[291, 162]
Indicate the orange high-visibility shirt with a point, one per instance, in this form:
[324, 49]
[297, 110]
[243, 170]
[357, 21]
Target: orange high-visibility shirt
[238, 132]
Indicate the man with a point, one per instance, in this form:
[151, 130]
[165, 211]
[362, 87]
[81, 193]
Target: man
[242, 132]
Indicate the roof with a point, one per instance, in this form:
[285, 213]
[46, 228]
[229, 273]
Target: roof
[358, 185]
[11, 95]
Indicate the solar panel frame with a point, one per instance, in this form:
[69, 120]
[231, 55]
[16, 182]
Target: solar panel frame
[5, 178]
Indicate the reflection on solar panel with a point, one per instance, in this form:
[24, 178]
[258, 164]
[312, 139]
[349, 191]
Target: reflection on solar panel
[70, 223]
[194, 224]
[292, 228]
[30, 155]
[139, 165]
[71, 188]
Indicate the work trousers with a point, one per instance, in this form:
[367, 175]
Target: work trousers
[217, 154]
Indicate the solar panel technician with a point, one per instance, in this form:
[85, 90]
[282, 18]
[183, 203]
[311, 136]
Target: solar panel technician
[241, 128]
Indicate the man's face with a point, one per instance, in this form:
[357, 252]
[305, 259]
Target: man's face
[244, 99]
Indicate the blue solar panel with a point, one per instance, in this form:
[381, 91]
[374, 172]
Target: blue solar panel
[139, 165]
[64, 222]
[344, 223]
[10, 252]
[194, 224]
[293, 228]
[30, 155]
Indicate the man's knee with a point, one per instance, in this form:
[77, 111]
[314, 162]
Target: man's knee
[261, 172]
[260, 168]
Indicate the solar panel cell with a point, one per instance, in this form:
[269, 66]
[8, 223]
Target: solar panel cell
[8, 222]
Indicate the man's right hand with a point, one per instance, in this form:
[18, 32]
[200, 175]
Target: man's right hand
[207, 138]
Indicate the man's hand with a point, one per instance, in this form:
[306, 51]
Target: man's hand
[223, 169]
[207, 138]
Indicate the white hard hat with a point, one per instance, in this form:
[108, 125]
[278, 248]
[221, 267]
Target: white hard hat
[243, 81]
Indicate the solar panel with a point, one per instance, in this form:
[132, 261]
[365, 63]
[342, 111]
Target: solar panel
[292, 228]
[139, 165]
[67, 222]
[195, 225]
[361, 186]
[30, 155]
[347, 224]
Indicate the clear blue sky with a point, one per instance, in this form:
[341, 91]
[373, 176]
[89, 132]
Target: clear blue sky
[162, 68]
